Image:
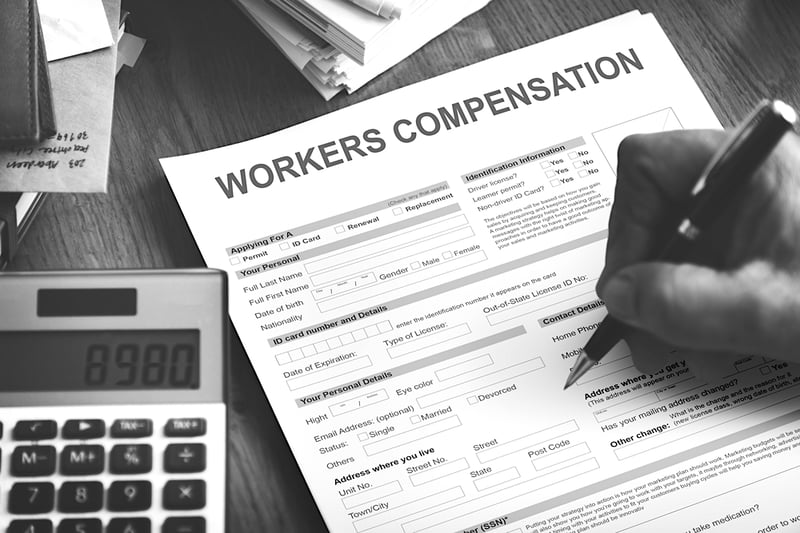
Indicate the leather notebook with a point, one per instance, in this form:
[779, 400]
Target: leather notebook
[26, 107]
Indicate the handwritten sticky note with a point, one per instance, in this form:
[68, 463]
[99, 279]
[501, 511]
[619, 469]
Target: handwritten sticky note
[76, 158]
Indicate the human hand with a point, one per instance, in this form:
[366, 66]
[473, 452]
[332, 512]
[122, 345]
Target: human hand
[746, 299]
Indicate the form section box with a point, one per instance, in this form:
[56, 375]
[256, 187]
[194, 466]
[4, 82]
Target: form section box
[561, 456]
[358, 402]
[438, 472]
[412, 435]
[330, 372]
[607, 368]
[370, 495]
[431, 339]
[464, 367]
[528, 442]
[480, 383]
[632, 404]
[391, 242]
[496, 478]
[408, 510]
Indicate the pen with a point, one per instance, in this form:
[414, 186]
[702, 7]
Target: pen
[383, 8]
[731, 167]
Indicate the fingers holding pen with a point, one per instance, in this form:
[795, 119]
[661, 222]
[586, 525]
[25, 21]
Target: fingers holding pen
[755, 309]
[655, 175]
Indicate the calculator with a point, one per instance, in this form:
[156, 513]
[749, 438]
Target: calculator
[112, 401]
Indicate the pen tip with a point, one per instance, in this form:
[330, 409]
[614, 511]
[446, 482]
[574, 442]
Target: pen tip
[582, 365]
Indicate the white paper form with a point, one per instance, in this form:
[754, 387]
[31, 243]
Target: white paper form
[412, 278]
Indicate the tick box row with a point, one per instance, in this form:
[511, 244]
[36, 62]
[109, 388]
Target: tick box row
[571, 155]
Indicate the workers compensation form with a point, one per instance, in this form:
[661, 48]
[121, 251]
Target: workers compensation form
[412, 278]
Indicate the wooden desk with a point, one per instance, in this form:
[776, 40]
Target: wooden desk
[207, 78]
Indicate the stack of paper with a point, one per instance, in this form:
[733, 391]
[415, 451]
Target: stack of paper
[373, 44]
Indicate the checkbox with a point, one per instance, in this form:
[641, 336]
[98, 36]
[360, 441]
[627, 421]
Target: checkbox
[415, 265]
[447, 255]
[362, 437]
[372, 330]
[550, 174]
[583, 173]
[339, 229]
[235, 260]
[283, 358]
[346, 338]
[309, 350]
[573, 155]
[321, 346]
[385, 326]
[359, 335]
[545, 164]
[472, 400]
[296, 355]
[397, 211]
[415, 419]
[765, 370]
[284, 246]
[577, 164]
[555, 183]
[334, 343]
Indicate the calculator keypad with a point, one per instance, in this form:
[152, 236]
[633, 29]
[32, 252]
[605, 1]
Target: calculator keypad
[113, 474]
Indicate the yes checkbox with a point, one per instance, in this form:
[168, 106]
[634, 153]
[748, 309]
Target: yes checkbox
[555, 183]
[550, 174]
[545, 164]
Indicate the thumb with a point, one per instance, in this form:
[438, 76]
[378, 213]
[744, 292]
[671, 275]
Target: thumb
[754, 309]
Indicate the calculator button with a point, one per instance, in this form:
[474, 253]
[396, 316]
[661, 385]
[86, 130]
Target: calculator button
[128, 525]
[30, 526]
[29, 461]
[83, 429]
[185, 427]
[184, 495]
[185, 458]
[80, 497]
[184, 524]
[82, 460]
[35, 430]
[129, 496]
[80, 525]
[31, 498]
[131, 459]
[131, 428]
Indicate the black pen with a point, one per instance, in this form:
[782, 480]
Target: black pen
[730, 168]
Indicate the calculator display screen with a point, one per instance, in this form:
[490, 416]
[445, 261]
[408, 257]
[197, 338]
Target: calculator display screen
[99, 360]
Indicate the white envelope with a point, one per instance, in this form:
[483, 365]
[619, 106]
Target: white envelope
[609, 138]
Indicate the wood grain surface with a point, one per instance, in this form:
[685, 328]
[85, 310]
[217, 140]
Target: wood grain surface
[207, 78]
